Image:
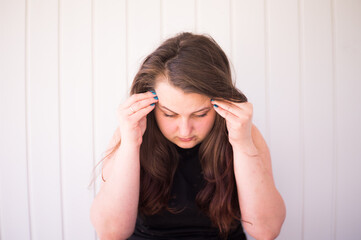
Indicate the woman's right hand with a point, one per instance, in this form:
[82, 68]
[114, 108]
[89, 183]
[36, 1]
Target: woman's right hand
[132, 117]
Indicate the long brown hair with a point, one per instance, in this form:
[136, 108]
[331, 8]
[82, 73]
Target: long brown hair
[195, 64]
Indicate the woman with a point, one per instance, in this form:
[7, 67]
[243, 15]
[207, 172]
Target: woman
[186, 161]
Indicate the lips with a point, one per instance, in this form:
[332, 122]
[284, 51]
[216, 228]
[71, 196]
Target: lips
[186, 139]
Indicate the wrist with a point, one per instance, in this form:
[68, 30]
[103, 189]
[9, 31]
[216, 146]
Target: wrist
[249, 149]
[130, 146]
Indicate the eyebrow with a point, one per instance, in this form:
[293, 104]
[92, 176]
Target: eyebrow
[200, 110]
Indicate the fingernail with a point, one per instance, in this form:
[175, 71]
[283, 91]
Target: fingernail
[152, 91]
[215, 105]
[156, 98]
[152, 104]
[212, 100]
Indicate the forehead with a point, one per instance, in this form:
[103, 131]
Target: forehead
[177, 100]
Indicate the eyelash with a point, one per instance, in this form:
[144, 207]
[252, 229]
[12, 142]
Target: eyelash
[171, 116]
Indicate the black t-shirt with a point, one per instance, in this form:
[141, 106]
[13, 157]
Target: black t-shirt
[190, 223]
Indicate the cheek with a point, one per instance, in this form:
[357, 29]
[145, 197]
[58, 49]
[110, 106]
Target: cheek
[205, 126]
[169, 125]
[166, 125]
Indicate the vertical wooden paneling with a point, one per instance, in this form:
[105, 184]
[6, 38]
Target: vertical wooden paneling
[248, 37]
[213, 18]
[310, 118]
[44, 172]
[143, 32]
[347, 19]
[284, 110]
[14, 206]
[318, 132]
[177, 16]
[109, 69]
[76, 116]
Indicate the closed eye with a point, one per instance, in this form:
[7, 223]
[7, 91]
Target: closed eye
[203, 115]
[171, 116]
[166, 115]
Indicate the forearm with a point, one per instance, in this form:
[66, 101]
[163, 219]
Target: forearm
[114, 209]
[262, 207]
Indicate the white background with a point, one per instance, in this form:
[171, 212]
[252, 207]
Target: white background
[66, 65]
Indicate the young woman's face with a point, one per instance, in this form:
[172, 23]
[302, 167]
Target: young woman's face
[184, 118]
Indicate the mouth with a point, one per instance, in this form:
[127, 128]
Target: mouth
[186, 139]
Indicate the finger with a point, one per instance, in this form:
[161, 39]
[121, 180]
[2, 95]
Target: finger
[244, 106]
[142, 113]
[237, 109]
[137, 97]
[135, 107]
[225, 114]
[227, 106]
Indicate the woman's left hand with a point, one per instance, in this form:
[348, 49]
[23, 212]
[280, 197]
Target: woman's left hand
[239, 123]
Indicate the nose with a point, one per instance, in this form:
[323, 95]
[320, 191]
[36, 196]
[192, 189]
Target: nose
[185, 128]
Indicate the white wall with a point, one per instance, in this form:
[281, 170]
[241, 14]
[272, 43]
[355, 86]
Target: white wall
[66, 65]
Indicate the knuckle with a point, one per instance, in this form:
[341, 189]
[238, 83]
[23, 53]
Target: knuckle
[133, 98]
[122, 114]
[250, 114]
[250, 105]
[247, 117]
[136, 106]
